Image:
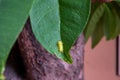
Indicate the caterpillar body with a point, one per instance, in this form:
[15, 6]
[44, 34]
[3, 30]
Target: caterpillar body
[60, 46]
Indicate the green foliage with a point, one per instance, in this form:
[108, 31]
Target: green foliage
[54, 21]
[95, 17]
[116, 11]
[98, 33]
[109, 26]
[13, 15]
[56, 24]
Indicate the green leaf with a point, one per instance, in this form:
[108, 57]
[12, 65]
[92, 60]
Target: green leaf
[98, 32]
[74, 16]
[116, 6]
[116, 9]
[110, 22]
[59, 20]
[117, 31]
[117, 0]
[13, 15]
[118, 3]
[95, 17]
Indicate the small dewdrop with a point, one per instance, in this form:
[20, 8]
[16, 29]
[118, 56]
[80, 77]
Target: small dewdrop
[60, 46]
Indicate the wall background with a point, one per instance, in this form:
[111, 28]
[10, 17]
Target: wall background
[100, 63]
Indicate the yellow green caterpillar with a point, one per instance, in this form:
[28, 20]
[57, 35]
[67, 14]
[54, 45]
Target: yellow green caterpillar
[2, 77]
[60, 46]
